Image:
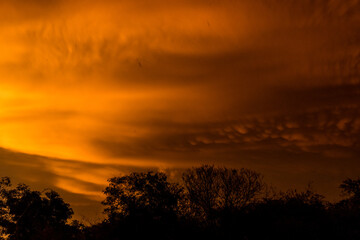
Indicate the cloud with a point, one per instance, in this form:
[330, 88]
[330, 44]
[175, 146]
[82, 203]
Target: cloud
[79, 183]
[121, 85]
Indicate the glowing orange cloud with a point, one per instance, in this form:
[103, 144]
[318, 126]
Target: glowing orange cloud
[169, 85]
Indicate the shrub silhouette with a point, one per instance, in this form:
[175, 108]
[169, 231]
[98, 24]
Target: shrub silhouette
[288, 215]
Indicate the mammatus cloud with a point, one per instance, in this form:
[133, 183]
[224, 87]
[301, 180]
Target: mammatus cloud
[269, 85]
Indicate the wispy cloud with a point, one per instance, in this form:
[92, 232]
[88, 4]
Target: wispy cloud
[272, 85]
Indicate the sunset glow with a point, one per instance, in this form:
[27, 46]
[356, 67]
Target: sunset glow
[93, 89]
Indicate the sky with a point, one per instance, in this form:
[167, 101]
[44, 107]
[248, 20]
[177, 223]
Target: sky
[95, 89]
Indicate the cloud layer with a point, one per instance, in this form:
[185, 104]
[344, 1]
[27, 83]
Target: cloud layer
[270, 85]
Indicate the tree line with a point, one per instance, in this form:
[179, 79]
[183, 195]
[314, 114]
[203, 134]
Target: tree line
[209, 203]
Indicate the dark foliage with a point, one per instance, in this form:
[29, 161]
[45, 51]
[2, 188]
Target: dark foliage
[213, 191]
[211, 203]
[145, 195]
[141, 204]
[27, 214]
[351, 188]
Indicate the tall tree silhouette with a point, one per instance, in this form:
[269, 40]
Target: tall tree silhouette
[212, 189]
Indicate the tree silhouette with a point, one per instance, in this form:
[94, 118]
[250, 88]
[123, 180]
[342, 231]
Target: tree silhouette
[27, 214]
[141, 194]
[347, 212]
[214, 203]
[212, 189]
[351, 188]
[140, 205]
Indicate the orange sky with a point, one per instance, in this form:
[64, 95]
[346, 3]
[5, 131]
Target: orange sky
[92, 89]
